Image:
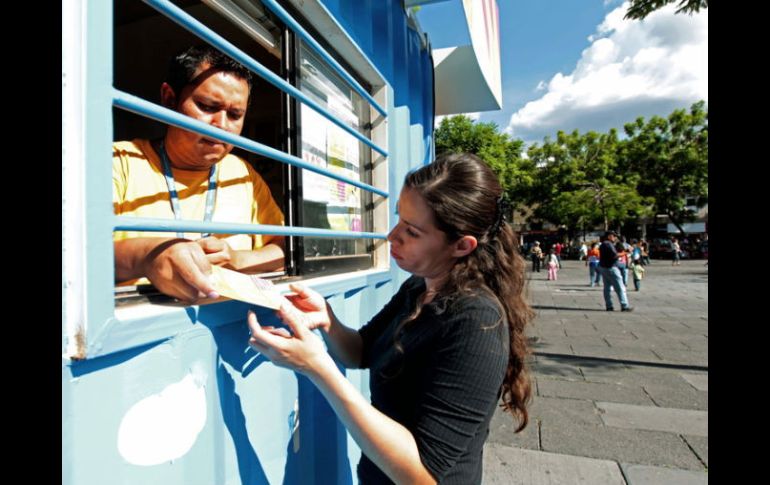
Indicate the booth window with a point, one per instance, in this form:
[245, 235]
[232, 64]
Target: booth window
[144, 40]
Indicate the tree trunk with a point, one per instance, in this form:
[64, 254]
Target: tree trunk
[678, 225]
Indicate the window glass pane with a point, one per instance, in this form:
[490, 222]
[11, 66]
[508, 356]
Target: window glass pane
[328, 203]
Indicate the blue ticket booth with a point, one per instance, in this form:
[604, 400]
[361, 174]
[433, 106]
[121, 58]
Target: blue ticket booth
[343, 106]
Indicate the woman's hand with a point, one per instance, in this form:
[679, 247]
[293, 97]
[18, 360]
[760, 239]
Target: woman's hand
[300, 351]
[312, 306]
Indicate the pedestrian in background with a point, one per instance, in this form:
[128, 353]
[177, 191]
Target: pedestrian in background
[622, 261]
[611, 277]
[537, 256]
[638, 271]
[593, 265]
[675, 252]
[552, 263]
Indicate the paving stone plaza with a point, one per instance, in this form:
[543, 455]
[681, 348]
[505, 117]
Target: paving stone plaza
[619, 398]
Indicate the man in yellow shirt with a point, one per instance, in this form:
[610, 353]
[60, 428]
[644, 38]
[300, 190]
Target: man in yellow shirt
[190, 176]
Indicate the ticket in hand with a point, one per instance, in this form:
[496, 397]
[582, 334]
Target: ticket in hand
[243, 287]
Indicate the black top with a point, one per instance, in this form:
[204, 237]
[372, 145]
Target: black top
[608, 255]
[445, 385]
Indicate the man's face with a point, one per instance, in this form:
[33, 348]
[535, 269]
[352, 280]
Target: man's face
[216, 98]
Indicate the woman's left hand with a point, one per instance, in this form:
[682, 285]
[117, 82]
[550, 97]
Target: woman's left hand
[302, 351]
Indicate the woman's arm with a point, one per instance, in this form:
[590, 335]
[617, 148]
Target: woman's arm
[386, 442]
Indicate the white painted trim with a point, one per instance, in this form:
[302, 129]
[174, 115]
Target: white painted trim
[327, 285]
[316, 14]
[242, 15]
[73, 178]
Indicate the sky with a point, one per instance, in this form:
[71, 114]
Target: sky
[577, 64]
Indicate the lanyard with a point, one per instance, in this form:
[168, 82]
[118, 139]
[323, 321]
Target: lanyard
[175, 208]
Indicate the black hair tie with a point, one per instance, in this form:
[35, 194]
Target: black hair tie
[502, 206]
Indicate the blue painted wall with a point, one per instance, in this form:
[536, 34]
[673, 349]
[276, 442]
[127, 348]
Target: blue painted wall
[250, 411]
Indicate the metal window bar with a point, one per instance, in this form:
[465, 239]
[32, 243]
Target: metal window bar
[185, 20]
[310, 41]
[142, 107]
[125, 223]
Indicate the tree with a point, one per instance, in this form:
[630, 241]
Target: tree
[579, 184]
[639, 9]
[670, 157]
[459, 134]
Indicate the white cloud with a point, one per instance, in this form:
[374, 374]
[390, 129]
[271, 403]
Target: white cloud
[632, 68]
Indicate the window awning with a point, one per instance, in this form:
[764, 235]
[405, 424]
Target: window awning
[468, 77]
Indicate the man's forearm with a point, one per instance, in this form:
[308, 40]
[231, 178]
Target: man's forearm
[131, 254]
[262, 260]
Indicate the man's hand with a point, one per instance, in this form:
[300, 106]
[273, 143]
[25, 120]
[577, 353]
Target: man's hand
[178, 268]
[217, 250]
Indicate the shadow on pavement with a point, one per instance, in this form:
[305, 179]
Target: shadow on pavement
[545, 307]
[588, 361]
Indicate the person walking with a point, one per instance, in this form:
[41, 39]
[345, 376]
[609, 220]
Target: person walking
[611, 277]
[593, 265]
[622, 263]
[557, 250]
[583, 252]
[552, 263]
[675, 252]
[537, 256]
[637, 269]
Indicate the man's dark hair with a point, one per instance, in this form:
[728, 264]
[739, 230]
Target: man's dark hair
[182, 67]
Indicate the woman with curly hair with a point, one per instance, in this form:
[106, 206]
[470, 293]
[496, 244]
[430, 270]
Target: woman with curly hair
[445, 350]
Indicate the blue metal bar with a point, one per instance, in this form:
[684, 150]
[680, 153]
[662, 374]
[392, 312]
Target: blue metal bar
[188, 22]
[124, 223]
[416, 3]
[140, 106]
[297, 28]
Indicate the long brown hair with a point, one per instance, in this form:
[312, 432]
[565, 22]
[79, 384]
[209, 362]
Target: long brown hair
[465, 197]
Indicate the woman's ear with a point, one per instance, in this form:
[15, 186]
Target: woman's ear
[464, 246]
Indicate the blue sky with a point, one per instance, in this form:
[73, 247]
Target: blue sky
[576, 64]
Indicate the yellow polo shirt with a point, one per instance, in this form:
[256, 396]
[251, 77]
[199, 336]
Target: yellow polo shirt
[140, 190]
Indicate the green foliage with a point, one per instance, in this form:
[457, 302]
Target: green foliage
[639, 9]
[459, 134]
[596, 179]
[579, 183]
[670, 157]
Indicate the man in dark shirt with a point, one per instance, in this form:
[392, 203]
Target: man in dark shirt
[611, 276]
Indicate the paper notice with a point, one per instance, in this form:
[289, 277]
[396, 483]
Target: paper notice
[243, 287]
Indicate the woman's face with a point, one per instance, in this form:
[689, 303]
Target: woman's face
[417, 245]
